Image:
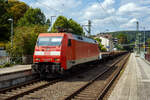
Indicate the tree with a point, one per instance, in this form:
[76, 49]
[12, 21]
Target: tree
[101, 47]
[25, 39]
[4, 23]
[68, 25]
[48, 22]
[122, 38]
[32, 17]
[62, 22]
[17, 9]
[10, 9]
[75, 27]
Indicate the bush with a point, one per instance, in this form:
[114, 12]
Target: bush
[24, 40]
[5, 65]
[101, 47]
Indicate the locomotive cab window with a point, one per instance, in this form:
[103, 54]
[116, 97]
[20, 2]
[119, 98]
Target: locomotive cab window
[69, 42]
[49, 41]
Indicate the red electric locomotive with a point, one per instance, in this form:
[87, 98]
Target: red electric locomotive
[57, 52]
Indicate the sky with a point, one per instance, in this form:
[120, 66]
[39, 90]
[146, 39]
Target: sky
[105, 15]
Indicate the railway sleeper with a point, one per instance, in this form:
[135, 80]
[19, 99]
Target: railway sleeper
[87, 95]
[83, 98]
[83, 93]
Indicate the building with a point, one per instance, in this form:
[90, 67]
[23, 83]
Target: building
[106, 41]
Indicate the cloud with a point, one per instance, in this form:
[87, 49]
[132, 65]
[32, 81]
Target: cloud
[98, 10]
[108, 3]
[139, 2]
[133, 20]
[127, 8]
[56, 7]
[105, 14]
[130, 24]
[133, 9]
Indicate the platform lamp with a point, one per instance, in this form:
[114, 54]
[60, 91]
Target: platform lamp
[11, 20]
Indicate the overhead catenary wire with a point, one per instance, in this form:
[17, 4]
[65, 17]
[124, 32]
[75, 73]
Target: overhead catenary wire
[113, 22]
[47, 6]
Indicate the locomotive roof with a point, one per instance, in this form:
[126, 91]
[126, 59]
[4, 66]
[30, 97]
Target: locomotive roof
[82, 38]
[71, 36]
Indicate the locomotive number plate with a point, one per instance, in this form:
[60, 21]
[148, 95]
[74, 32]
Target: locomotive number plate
[46, 60]
[47, 53]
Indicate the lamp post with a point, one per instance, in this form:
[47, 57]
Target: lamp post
[11, 20]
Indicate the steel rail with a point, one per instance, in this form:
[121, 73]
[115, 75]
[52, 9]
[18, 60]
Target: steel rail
[19, 92]
[93, 80]
[106, 88]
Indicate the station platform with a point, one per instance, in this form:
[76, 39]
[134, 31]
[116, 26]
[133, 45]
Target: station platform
[13, 69]
[134, 84]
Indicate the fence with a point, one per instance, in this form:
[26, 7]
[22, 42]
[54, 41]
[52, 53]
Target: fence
[4, 60]
[147, 57]
[16, 60]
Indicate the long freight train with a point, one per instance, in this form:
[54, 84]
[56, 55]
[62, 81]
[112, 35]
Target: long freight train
[58, 52]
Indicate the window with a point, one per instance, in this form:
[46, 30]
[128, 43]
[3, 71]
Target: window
[49, 41]
[69, 42]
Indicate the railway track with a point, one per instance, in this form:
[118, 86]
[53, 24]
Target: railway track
[35, 85]
[96, 88]
[16, 92]
[20, 90]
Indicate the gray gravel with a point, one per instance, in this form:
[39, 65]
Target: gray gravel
[60, 90]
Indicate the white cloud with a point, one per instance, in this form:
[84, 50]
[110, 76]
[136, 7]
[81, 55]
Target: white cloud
[116, 15]
[133, 20]
[130, 7]
[133, 9]
[139, 2]
[108, 3]
[130, 24]
[56, 7]
[99, 10]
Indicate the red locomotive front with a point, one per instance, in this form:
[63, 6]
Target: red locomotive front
[47, 55]
[57, 52]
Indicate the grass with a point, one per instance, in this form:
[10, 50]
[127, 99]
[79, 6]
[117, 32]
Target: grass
[6, 65]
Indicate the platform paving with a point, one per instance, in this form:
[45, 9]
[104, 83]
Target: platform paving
[134, 83]
[14, 68]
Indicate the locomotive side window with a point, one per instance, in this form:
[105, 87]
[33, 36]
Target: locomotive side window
[69, 42]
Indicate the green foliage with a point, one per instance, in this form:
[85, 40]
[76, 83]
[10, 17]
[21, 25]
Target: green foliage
[61, 21]
[75, 27]
[122, 38]
[101, 47]
[132, 35]
[4, 23]
[10, 9]
[70, 25]
[119, 47]
[6, 65]
[48, 23]
[17, 9]
[32, 17]
[25, 40]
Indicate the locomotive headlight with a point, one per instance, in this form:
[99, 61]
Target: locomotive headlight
[55, 53]
[56, 59]
[37, 59]
[39, 53]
